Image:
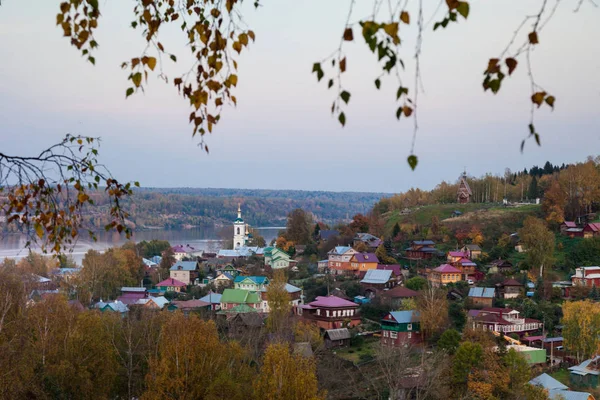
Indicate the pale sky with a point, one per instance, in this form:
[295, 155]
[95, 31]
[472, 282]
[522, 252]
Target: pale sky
[282, 135]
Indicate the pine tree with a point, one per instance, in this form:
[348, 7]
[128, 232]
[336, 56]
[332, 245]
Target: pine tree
[594, 295]
[317, 230]
[395, 230]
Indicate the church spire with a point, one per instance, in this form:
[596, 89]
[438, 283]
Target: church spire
[239, 210]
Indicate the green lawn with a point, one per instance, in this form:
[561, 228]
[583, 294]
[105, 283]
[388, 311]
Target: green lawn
[561, 375]
[353, 353]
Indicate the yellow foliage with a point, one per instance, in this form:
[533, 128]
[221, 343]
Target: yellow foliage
[287, 376]
[581, 320]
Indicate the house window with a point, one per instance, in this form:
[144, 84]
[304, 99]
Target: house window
[385, 333]
[318, 311]
[327, 313]
[394, 335]
[409, 335]
[409, 327]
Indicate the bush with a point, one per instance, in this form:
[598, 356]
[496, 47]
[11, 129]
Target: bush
[350, 351]
[358, 341]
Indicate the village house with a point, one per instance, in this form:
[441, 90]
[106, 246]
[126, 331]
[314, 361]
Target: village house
[422, 250]
[556, 390]
[130, 295]
[180, 252]
[456, 255]
[189, 306]
[482, 296]
[510, 289]
[153, 303]
[337, 337]
[330, 312]
[467, 267]
[253, 283]
[171, 285]
[322, 266]
[372, 242]
[586, 373]
[115, 306]
[443, 275]
[500, 267]
[244, 323]
[214, 299]
[339, 259]
[185, 271]
[277, 258]
[566, 225]
[296, 295]
[362, 262]
[223, 279]
[591, 230]
[395, 296]
[473, 251]
[376, 281]
[586, 276]
[506, 320]
[235, 297]
[401, 328]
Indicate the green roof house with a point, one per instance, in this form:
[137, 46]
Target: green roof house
[235, 297]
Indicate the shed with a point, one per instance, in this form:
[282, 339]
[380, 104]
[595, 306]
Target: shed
[337, 337]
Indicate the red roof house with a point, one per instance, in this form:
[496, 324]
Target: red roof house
[330, 312]
[171, 285]
[444, 274]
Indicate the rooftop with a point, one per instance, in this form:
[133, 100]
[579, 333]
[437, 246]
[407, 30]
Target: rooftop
[377, 276]
[366, 257]
[332, 301]
[184, 266]
[484, 292]
[406, 317]
[447, 269]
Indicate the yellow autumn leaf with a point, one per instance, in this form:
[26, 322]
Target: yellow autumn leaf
[151, 63]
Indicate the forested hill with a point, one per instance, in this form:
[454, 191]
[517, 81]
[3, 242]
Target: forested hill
[176, 207]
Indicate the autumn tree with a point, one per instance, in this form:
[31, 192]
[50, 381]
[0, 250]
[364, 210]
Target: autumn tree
[416, 283]
[467, 359]
[284, 375]
[383, 256]
[298, 226]
[554, 203]
[433, 308]
[359, 224]
[278, 299]
[539, 242]
[581, 331]
[476, 236]
[307, 332]
[166, 262]
[192, 363]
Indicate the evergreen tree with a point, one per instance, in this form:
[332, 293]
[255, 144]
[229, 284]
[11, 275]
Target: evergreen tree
[395, 230]
[548, 168]
[317, 230]
[594, 295]
[533, 191]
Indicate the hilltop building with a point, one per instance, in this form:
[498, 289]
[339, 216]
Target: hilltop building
[464, 191]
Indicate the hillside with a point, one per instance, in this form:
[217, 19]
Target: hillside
[176, 207]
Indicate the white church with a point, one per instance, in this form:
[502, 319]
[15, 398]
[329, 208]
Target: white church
[241, 231]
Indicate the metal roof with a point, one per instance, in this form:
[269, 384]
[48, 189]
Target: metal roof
[338, 334]
[376, 276]
[485, 292]
[184, 266]
[406, 317]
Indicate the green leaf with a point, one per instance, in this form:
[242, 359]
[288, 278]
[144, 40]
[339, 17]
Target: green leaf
[172, 56]
[345, 96]
[401, 90]
[436, 25]
[377, 83]
[92, 60]
[342, 119]
[137, 79]
[537, 138]
[550, 101]
[399, 112]
[412, 161]
[495, 85]
[316, 67]
[531, 129]
[136, 183]
[330, 84]
[463, 9]
[129, 92]
[93, 3]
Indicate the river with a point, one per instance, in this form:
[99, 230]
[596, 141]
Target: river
[204, 238]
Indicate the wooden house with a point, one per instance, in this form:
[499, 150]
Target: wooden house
[591, 230]
[472, 250]
[500, 267]
[443, 275]
[395, 296]
[362, 262]
[337, 337]
[330, 312]
[401, 328]
[421, 250]
[377, 280]
[482, 296]
[510, 289]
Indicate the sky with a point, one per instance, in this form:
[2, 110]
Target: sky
[282, 134]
